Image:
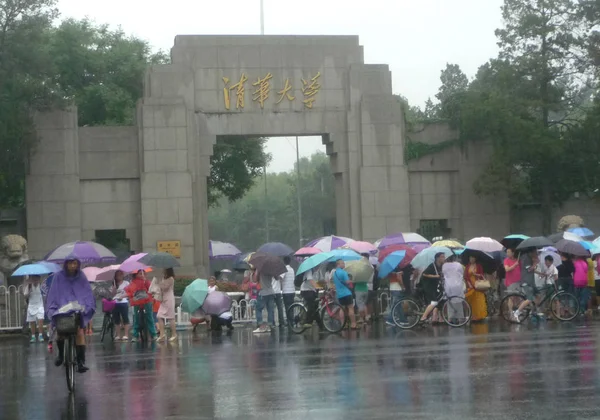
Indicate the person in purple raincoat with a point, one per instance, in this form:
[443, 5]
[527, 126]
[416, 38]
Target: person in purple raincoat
[70, 285]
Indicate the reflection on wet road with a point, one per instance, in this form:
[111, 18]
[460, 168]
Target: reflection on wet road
[483, 372]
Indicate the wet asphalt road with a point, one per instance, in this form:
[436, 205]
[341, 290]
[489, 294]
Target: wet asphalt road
[491, 371]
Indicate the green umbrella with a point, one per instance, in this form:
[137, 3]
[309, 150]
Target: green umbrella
[194, 295]
[159, 260]
[361, 271]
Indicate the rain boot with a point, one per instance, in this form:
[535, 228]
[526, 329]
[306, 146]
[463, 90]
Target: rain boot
[60, 344]
[81, 368]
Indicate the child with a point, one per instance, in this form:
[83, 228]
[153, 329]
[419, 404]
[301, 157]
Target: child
[139, 295]
[212, 284]
[35, 308]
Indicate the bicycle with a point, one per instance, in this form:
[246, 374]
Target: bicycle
[67, 326]
[561, 303]
[332, 314]
[142, 327]
[107, 323]
[408, 311]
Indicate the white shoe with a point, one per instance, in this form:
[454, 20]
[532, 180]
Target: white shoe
[516, 316]
[261, 330]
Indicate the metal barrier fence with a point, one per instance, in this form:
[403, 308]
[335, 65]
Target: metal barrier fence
[13, 309]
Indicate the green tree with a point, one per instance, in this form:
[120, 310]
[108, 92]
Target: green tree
[451, 92]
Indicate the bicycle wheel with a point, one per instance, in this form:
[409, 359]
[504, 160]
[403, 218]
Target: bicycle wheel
[406, 313]
[333, 317]
[70, 361]
[510, 304]
[297, 317]
[564, 306]
[105, 323]
[456, 311]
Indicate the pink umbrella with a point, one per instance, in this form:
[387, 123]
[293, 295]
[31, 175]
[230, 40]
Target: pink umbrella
[107, 273]
[91, 273]
[132, 264]
[361, 247]
[307, 251]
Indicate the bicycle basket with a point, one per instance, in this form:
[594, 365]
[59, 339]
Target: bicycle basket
[67, 324]
[140, 295]
[108, 305]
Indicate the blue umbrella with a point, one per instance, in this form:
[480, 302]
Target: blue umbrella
[37, 269]
[581, 231]
[336, 254]
[390, 263]
[426, 257]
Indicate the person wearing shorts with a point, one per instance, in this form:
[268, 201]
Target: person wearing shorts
[121, 312]
[342, 291]
[35, 308]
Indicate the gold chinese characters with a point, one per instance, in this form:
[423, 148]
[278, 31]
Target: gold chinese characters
[262, 89]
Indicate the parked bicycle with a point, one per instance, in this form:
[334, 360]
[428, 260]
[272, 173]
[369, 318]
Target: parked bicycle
[563, 305]
[408, 311]
[332, 314]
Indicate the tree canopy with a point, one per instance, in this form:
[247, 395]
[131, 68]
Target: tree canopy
[100, 70]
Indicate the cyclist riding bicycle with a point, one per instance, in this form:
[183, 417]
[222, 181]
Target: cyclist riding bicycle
[431, 284]
[71, 285]
[140, 296]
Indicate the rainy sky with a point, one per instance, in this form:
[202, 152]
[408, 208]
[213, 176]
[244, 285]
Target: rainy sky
[416, 38]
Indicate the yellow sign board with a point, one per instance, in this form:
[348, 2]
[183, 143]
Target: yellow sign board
[170, 247]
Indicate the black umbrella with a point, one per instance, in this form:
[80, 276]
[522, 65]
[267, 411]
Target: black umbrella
[268, 265]
[159, 260]
[536, 242]
[513, 241]
[572, 248]
[486, 260]
[240, 263]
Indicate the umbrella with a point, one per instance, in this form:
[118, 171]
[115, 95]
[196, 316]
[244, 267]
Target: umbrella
[307, 251]
[91, 273]
[449, 243]
[484, 244]
[108, 273]
[361, 247]
[86, 252]
[425, 258]
[513, 241]
[360, 270]
[336, 254]
[572, 248]
[390, 263]
[133, 264]
[597, 241]
[565, 235]
[535, 242]
[276, 248]
[159, 260]
[555, 257]
[222, 250]
[486, 260]
[216, 303]
[591, 247]
[582, 231]
[402, 238]
[36, 269]
[410, 253]
[329, 243]
[267, 264]
[194, 295]
[240, 263]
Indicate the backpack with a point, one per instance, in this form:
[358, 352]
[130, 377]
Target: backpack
[298, 280]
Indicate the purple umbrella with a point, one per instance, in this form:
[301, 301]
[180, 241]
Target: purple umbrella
[133, 264]
[411, 239]
[329, 243]
[222, 250]
[276, 248]
[216, 303]
[86, 252]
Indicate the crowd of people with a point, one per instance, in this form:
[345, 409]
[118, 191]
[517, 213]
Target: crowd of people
[522, 272]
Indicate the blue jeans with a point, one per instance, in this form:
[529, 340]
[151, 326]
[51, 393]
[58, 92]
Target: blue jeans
[583, 295]
[269, 302]
[396, 296]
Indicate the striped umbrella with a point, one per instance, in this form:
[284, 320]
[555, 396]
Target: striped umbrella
[329, 243]
[412, 239]
[86, 252]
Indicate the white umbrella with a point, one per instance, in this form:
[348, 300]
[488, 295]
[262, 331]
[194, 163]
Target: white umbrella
[222, 250]
[484, 244]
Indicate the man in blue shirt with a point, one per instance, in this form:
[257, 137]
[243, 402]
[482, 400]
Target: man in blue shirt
[341, 280]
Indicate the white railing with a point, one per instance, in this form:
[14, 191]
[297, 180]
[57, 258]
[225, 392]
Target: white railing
[13, 308]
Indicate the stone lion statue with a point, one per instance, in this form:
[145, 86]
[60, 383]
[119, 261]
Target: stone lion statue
[568, 222]
[13, 251]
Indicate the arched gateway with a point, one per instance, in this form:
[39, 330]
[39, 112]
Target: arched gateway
[228, 85]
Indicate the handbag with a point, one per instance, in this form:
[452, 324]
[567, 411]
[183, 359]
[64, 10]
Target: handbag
[155, 290]
[482, 285]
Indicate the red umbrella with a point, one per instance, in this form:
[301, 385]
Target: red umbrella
[410, 253]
